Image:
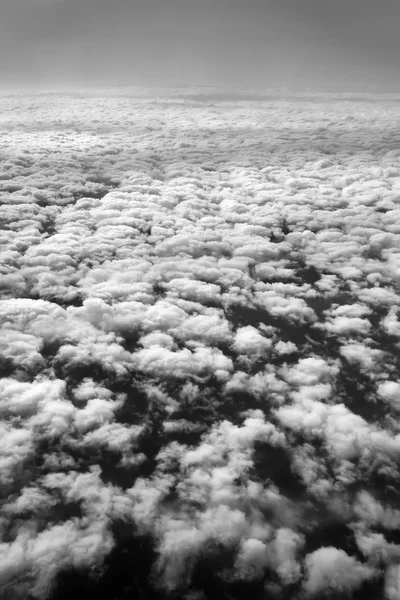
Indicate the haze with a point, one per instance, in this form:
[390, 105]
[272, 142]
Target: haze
[340, 45]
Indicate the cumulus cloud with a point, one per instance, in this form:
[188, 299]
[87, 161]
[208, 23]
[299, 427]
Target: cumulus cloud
[199, 346]
[330, 569]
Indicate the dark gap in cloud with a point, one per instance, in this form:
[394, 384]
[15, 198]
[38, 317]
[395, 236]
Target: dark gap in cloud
[236, 402]
[279, 360]
[210, 388]
[150, 442]
[128, 567]
[159, 290]
[319, 304]
[112, 471]
[307, 273]
[10, 188]
[200, 411]
[27, 373]
[7, 366]
[369, 590]
[89, 194]
[273, 463]
[357, 391]
[392, 536]
[75, 372]
[91, 455]
[214, 560]
[171, 499]
[72, 298]
[215, 577]
[180, 343]
[49, 349]
[95, 176]
[384, 341]
[372, 253]
[76, 583]
[125, 574]
[298, 333]
[7, 291]
[243, 590]
[46, 447]
[135, 405]
[23, 474]
[11, 528]
[43, 201]
[48, 227]
[344, 296]
[258, 365]
[284, 227]
[380, 479]
[332, 533]
[64, 511]
[187, 438]
[243, 316]
[378, 313]
[270, 278]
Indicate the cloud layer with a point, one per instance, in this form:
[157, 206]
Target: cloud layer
[200, 346]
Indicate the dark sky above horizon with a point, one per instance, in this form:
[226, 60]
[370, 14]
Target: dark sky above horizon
[344, 44]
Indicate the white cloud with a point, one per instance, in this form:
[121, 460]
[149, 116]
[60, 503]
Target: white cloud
[392, 583]
[249, 341]
[390, 391]
[164, 270]
[332, 570]
[252, 559]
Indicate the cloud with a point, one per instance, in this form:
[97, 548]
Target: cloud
[199, 344]
[330, 569]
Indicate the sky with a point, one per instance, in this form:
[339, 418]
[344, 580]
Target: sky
[340, 44]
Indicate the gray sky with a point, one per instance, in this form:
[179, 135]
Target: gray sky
[344, 44]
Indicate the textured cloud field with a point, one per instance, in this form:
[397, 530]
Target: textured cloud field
[200, 346]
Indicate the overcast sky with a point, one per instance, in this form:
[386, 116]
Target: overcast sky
[344, 44]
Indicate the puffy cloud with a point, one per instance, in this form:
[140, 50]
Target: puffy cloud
[211, 329]
[37, 559]
[392, 583]
[25, 399]
[203, 361]
[283, 555]
[347, 320]
[390, 391]
[292, 309]
[332, 570]
[180, 546]
[391, 324]
[248, 340]
[373, 512]
[252, 559]
[199, 338]
[362, 355]
[309, 371]
[16, 452]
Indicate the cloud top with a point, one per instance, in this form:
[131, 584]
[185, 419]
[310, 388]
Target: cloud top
[199, 346]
